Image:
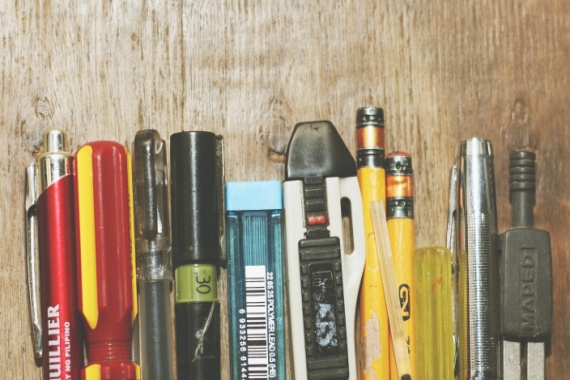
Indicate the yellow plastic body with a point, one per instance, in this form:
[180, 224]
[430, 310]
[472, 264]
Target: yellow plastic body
[402, 241]
[90, 301]
[132, 232]
[374, 328]
[434, 322]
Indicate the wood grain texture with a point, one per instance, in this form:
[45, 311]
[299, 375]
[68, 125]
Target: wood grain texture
[442, 71]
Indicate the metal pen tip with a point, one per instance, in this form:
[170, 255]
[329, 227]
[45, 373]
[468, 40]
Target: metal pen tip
[55, 140]
[476, 147]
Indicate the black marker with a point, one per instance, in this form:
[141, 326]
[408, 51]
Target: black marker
[196, 254]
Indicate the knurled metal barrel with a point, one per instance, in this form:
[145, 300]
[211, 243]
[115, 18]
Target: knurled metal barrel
[477, 263]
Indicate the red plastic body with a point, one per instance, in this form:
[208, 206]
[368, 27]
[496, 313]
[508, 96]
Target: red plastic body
[62, 340]
[109, 343]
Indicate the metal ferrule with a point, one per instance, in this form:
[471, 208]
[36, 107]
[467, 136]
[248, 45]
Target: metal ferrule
[398, 164]
[55, 161]
[370, 137]
[399, 186]
[477, 263]
[370, 157]
[370, 116]
[400, 207]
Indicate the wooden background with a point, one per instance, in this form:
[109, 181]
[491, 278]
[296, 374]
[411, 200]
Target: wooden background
[442, 70]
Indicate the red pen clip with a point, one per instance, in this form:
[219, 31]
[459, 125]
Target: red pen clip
[105, 255]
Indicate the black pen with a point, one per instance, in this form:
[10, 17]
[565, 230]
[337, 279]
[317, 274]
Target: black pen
[196, 254]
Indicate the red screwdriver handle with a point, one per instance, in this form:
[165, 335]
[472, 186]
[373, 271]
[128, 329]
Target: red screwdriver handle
[106, 270]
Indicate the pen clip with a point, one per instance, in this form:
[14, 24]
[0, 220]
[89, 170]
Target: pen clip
[151, 207]
[32, 256]
[452, 209]
[451, 219]
[220, 197]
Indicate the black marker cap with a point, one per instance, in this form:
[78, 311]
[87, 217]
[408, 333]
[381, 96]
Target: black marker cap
[317, 150]
[193, 198]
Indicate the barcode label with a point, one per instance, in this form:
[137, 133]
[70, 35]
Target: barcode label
[256, 321]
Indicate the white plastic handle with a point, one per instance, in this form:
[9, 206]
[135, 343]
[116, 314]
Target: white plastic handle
[352, 264]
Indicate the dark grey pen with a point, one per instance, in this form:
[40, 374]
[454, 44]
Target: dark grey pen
[477, 264]
[153, 250]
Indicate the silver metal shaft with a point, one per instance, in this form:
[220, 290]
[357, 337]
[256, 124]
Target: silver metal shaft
[477, 263]
[535, 361]
[512, 360]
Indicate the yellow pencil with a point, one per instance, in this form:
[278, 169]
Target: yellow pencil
[400, 220]
[371, 177]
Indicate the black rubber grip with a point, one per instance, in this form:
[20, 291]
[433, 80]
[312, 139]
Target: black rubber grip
[323, 308]
[523, 186]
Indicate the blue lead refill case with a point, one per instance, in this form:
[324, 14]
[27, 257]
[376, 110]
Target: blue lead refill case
[254, 254]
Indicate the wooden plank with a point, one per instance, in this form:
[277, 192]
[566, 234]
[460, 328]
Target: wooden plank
[443, 71]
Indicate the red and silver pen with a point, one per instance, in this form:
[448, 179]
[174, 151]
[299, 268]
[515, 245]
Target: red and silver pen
[57, 340]
[105, 259]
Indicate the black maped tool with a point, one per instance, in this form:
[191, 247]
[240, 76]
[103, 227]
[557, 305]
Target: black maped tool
[526, 278]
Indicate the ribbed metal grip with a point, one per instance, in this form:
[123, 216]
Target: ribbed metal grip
[477, 263]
